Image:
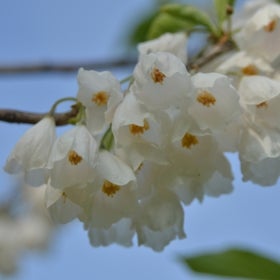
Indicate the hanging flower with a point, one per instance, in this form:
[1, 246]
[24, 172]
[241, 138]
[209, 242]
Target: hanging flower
[73, 158]
[161, 220]
[100, 93]
[31, 153]
[175, 43]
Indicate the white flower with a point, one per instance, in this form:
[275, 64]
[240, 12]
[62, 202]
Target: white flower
[261, 33]
[247, 11]
[214, 103]
[260, 98]
[265, 172]
[112, 194]
[259, 142]
[61, 208]
[246, 64]
[120, 232]
[73, 158]
[133, 123]
[197, 168]
[31, 153]
[175, 43]
[161, 81]
[140, 133]
[260, 137]
[161, 220]
[100, 93]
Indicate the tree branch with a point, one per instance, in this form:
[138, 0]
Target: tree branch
[16, 116]
[224, 46]
[67, 67]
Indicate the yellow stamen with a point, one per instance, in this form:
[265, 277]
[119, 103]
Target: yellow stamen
[157, 76]
[109, 188]
[137, 129]
[189, 140]
[270, 26]
[100, 98]
[262, 105]
[74, 158]
[250, 70]
[206, 98]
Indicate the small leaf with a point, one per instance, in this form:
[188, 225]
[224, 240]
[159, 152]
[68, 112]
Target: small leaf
[190, 14]
[140, 32]
[235, 263]
[221, 8]
[167, 23]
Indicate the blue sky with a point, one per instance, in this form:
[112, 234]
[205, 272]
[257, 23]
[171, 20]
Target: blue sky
[86, 30]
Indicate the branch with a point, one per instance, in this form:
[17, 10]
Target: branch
[15, 116]
[224, 46]
[68, 67]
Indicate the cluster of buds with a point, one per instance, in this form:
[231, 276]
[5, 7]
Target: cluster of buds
[136, 155]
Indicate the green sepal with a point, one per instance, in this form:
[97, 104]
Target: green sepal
[107, 140]
[191, 16]
[235, 263]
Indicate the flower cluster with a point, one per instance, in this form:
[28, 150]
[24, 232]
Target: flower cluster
[169, 131]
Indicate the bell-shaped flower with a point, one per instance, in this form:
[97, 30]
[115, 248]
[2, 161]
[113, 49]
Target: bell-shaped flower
[260, 98]
[139, 131]
[32, 151]
[260, 35]
[175, 43]
[258, 141]
[214, 103]
[61, 208]
[161, 81]
[121, 233]
[100, 93]
[265, 172]
[160, 221]
[197, 168]
[243, 63]
[73, 158]
[249, 8]
[113, 195]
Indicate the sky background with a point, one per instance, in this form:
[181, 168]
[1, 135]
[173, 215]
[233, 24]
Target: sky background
[34, 31]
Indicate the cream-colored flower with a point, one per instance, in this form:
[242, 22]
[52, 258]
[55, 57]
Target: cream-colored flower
[100, 93]
[112, 195]
[175, 43]
[161, 220]
[161, 81]
[73, 158]
[214, 102]
[31, 153]
[260, 35]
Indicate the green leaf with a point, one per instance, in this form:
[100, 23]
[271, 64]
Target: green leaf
[190, 15]
[221, 7]
[167, 23]
[140, 32]
[235, 263]
[221, 10]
